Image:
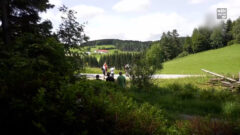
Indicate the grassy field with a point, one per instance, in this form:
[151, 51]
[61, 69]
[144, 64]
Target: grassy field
[191, 97]
[224, 60]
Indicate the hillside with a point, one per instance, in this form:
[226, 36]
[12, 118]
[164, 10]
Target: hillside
[224, 60]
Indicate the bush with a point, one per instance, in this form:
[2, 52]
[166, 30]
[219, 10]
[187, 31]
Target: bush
[183, 54]
[31, 65]
[231, 109]
[141, 74]
[87, 107]
[32, 70]
[231, 42]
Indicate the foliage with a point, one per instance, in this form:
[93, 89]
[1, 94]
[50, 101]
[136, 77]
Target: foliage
[136, 46]
[70, 33]
[141, 73]
[217, 37]
[142, 70]
[154, 57]
[170, 45]
[236, 30]
[201, 39]
[87, 107]
[90, 61]
[232, 109]
[123, 45]
[188, 47]
[21, 16]
[183, 54]
[31, 65]
[228, 32]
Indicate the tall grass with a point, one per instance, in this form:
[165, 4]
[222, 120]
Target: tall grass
[186, 96]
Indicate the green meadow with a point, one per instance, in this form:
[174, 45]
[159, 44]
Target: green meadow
[224, 60]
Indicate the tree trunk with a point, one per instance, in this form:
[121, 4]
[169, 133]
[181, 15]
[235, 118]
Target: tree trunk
[5, 22]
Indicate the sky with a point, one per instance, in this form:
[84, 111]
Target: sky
[143, 20]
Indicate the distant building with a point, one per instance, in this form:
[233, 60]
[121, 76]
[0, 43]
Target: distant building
[101, 51]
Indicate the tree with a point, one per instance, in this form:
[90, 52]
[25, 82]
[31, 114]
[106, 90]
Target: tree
[21, 16]
[201, 39]
[188, 45]
[71, 33]
[4, 19]
[228, 31]
[236, 30]
[170, 45]
[146, 65]
[217, 37]
[154, 56]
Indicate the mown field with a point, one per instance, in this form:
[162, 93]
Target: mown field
[224, 60]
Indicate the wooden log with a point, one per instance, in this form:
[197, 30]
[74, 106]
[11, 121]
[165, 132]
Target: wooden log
[218, 75]
[227, 84]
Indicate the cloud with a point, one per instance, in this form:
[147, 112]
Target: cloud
[131, 5]
[233, 8]
[54, 16]
[197, 1]
[57, 3]
[143, 28]
[86, 12]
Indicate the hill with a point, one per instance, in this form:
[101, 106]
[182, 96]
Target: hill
[224, 60]
[123, 45]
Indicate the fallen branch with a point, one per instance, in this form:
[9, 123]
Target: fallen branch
[218, 75]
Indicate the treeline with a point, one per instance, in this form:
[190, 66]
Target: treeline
[118, 60]
[205, 38]
[202, 39]
[123, 45]
[136, 46]
[90, 61]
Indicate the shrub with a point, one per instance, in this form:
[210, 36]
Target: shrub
[231, 42]
[87, 107]
[231, 109]
[31, 65]
[141, 74]
[183, 54]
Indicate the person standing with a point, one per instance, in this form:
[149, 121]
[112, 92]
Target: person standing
[105, 67]
[127, 70]
[97, 77]
[112, 71]
[121, 80]
[109, 78]
[103, 71]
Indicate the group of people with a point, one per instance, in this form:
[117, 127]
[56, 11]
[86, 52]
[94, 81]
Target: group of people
[121, 80]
